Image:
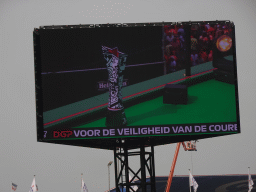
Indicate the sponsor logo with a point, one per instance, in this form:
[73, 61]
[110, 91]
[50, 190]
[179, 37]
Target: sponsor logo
[104, 85]
[63, 134]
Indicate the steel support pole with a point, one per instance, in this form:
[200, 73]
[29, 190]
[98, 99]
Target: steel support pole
[143, 170]
[145, 164]
[116, 172]
[153, 178]
[127, 183]
[108, 178]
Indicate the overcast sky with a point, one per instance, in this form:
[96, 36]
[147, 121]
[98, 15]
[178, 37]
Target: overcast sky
[59, 167]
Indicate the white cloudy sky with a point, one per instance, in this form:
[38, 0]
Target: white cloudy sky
[58, 167]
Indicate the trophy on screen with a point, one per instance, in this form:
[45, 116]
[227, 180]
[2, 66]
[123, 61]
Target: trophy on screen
[116, 61]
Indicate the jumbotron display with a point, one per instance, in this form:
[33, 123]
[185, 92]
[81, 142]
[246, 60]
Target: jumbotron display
[102, 85]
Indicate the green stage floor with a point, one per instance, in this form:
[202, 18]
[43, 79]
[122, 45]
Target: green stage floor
[208, 102]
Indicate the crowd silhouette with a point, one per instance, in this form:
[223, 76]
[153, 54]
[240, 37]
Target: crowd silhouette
[202, 39]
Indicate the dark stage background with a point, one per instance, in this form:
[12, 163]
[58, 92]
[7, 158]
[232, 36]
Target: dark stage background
[72, 60]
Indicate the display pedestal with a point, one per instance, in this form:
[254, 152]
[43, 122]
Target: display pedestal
[116, 61]
[115, 118]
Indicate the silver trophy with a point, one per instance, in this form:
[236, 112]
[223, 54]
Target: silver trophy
[116, 61]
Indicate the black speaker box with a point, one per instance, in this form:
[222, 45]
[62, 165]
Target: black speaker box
[175, 94]
[224, 76]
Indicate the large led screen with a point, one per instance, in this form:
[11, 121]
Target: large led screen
[160, 83]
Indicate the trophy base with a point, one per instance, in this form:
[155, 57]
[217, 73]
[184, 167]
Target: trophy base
[115, 118]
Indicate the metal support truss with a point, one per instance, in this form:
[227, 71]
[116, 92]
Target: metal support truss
[133, 181]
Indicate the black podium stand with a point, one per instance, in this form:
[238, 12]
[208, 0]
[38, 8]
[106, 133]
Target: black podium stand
[175, 94]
